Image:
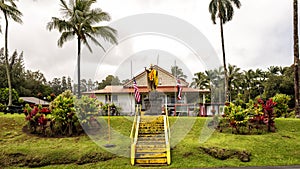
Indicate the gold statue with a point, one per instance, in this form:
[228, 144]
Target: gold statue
[152, 78]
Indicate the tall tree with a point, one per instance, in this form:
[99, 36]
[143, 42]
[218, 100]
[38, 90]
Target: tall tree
[177, 72]
[296, 58]
[200, 81]
[223, 10]
[9, 10]
[109, 80]
[78, 20]
[233, 80]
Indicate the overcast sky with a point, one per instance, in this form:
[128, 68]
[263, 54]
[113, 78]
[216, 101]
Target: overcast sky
[260, 34]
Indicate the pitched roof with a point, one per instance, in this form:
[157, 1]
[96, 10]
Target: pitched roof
[34, 100]
[160, 70]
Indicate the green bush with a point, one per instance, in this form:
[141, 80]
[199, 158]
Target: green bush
[4, 95]
[282, 107]
[114, 110]
[2, 107]
[256, 115]
[87, 109]
[64, 120]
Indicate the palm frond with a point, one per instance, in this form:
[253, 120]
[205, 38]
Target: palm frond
[107, 33]
[95, 41]
[213, 8]
[14, 13]
[65, 36]
[59, 24]
[85, 42]
[66, 11]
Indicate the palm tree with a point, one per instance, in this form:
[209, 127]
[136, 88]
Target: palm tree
[249, 82]
[178, 73]
[223, 9]
[273, 70]
[296, 58]
[216, 78]
[78, 20]
[9, 11]
[233, 79]
[200, 81]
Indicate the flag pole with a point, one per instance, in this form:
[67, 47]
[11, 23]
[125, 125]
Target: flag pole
[108, 145]
[131, 92]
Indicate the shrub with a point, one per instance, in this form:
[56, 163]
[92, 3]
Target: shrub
[87, 109]
[114, 110]
[2, 107]
[282, 107]
[4, 95]
[64, 120]
[37, 121]
[258, 115]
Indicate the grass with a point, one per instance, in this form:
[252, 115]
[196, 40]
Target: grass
[18, 149]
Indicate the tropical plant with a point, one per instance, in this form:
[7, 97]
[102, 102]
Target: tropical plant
[216, 79]
[200, 81]
[4, 92]
[177, 72]
[233, 80]
[36, 117]
[282, 107]
[223, 9]
[78, 20]
[113, 109]
[87, 109]
[252, 115]
[65, 122]
[9, 11]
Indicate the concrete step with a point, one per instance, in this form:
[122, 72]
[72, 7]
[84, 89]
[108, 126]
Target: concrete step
[151, 135]
[151, 155]
[151, 161]
[151, 125]
[151, 150]
[150, 146]
[142, 131]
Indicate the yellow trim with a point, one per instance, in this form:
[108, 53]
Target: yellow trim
[167, 138]
[134, 134]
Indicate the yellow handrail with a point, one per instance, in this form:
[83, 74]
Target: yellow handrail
[167, 138]
[134, 134]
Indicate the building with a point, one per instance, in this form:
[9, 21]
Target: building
[34, 101]
[123, 96]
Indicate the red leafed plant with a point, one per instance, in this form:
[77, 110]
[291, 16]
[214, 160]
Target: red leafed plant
[268, 108]
[36, 117]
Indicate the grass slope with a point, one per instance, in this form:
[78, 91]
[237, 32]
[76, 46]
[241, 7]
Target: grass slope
[21, 150]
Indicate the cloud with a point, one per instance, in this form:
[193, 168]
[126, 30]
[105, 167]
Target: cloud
[260, 34]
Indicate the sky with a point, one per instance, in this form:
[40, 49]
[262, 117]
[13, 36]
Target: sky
[259, 36]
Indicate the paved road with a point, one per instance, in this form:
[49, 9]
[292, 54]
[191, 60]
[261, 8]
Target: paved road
[267, 167]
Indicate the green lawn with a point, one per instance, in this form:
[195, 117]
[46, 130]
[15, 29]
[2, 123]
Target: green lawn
[21, 150]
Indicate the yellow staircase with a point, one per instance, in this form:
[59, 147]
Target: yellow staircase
[150, 141]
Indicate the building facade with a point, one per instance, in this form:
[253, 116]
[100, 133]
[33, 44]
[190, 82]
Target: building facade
[123, 96]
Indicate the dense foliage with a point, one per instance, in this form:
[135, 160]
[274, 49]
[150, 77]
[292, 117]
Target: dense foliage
[250, 83]
[254, 117]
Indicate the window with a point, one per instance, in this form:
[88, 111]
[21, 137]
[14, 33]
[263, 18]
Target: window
[114, 98]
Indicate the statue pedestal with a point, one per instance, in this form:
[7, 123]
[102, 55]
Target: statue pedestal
[154, 104]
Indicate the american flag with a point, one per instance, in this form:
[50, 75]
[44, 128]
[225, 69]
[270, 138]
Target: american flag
[179, 90]
[136, 92]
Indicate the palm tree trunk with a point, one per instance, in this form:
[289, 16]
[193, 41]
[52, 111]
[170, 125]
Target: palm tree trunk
[224, 61]
[296, 58]
[78, 67]
[7, 62]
